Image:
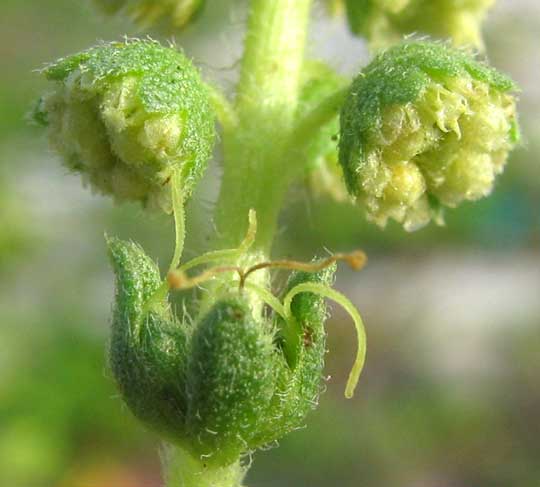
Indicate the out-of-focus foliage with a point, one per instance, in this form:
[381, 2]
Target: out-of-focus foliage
[56, 403]
[16, 232]
[412, 428]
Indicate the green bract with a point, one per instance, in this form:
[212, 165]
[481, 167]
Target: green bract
[148, 346]
[303, 342]
[425, 125]
[126, 116]
[385, 22]
[222, 386]
[173, 13]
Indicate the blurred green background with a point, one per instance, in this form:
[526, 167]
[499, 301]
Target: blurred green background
[450, 396]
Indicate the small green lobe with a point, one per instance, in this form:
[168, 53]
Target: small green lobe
[301, 363]
[148, 348]
[230, 380]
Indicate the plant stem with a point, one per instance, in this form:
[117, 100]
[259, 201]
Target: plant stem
[183, 470]
[323, 113]
[225, 113]
[256, 169]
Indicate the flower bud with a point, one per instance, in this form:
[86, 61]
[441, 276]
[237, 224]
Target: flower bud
[385, 22]
[126, 116]
[425, 125]
[250, 384]
[225, 385]
[230, 380]
[171, 13]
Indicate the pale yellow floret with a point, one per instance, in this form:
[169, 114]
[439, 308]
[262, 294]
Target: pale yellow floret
[119, 107]
[449, 144]
[406, 185]
[136, 136]
[162, 135]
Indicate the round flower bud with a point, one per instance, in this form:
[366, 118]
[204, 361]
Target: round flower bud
[126, 116]
[423, 126]
[170, 13]
[385, 22]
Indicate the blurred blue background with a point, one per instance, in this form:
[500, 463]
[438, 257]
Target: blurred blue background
[450, 396]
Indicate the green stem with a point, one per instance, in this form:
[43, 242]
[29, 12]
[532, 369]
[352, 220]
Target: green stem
[183, 470]
[274, 52]
[178, 203]
[315, 119]
[224, 110]
[257, 172]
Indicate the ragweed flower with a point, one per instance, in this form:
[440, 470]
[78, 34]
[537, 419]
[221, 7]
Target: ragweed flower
[172, 13]
[425, 126]
[226, 384]
[385, 22]
[126, 116]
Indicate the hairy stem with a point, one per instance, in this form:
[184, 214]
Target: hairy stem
[257, 172]
[183, 470]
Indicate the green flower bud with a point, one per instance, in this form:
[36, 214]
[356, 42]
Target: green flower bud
[324, 175]
[385, 22]
[126, 116]
[230, 380]
[425, 125]
[171, 13]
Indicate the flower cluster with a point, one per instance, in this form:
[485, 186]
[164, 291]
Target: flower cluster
[126, 116]
[425, 126]
[422, 127]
